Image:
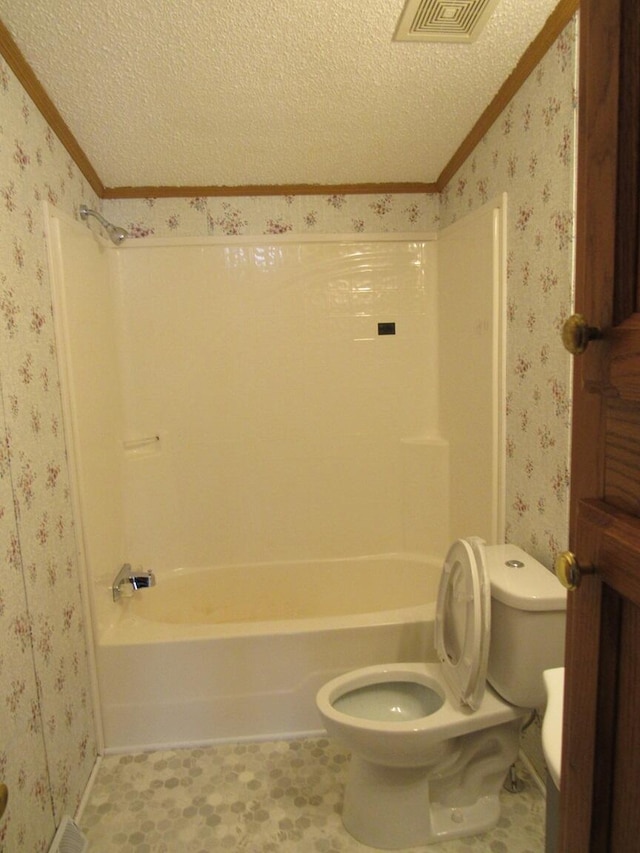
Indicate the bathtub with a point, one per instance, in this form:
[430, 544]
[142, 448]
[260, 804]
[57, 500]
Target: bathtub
[239, 652]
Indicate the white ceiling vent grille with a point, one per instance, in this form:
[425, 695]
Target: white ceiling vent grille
[443, 20]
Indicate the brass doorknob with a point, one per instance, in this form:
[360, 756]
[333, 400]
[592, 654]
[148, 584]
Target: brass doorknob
[568, 571]
[576, 334]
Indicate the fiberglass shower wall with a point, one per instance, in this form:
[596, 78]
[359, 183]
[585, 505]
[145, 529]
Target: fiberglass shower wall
[264, 412]
[471, 305]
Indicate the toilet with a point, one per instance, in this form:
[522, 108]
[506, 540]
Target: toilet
[431, 743]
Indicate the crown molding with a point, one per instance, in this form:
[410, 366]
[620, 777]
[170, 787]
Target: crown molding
[268, 189]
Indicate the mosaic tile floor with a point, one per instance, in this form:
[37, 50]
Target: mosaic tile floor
[271, 797]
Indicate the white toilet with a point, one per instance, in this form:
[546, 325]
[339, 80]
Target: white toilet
[432, 743]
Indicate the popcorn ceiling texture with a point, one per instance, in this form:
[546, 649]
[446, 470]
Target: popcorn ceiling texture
[244, 92]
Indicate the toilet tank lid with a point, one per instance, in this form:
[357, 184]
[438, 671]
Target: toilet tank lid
[520, 581]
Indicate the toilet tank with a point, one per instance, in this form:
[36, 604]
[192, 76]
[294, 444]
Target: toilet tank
[528, 614]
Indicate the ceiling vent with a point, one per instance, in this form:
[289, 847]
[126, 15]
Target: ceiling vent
[443, 20]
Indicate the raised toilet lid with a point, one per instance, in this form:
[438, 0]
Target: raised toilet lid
[463, 620]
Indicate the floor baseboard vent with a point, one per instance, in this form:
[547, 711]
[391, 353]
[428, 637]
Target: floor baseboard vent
[69, 838]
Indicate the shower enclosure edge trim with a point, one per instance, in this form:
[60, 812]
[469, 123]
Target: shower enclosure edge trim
[51, 217]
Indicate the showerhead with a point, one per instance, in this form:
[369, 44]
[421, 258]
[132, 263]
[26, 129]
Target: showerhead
[116, 234]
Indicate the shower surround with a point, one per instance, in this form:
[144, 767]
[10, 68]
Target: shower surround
[265, 408]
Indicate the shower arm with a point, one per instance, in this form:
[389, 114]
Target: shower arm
[116, 234]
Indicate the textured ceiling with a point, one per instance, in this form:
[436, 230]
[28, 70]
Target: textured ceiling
[233, 92]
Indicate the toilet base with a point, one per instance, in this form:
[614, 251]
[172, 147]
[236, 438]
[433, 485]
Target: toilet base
[386, 807]
[390, 808]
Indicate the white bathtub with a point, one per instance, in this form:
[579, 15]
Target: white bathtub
[238, 652]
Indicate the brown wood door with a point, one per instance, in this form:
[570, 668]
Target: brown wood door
[600, 783]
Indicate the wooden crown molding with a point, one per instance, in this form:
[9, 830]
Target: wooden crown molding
[268, 189]
[556, 22]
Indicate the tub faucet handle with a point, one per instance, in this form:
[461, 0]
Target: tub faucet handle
[143, 580]
[127, 581]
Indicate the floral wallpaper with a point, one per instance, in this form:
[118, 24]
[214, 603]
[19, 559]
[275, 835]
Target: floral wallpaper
[48, 746]
[315, 214]
[530, 153]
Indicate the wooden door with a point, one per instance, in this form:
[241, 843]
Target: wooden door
[600, 784]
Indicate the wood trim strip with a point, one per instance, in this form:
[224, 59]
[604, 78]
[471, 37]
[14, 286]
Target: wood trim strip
[556, 22]
[23, 71]
[268, 189]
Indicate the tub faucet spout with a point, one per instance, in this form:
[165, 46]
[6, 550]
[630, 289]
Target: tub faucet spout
[128, 580]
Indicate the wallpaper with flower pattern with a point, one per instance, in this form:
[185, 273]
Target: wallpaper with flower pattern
[529, 153]
[47, 745]
[47, 740]
[255, 215]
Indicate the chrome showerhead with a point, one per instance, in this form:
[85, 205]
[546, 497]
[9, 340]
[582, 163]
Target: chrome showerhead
[116, 234]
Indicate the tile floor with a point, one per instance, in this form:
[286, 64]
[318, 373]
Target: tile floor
[270, 797]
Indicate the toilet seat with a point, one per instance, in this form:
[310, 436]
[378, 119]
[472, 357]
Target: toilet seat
[463, 620]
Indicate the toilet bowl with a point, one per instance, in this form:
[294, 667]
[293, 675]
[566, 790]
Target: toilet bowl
[412, 744]
[431, 743]
[402, 715]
